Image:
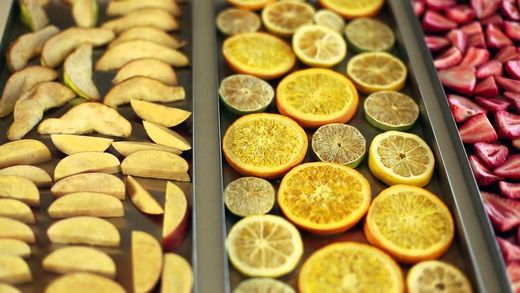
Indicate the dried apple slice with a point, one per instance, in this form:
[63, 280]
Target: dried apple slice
[159, 114]
[120, 54]
[78, 259]
[37, 175]
[21, 82]
[14, 270]
[165, 136]
[176, 214]
[20, 188]
[84, 283]
[4, 288]
[29, 109]
[150, 34]
[78, 120]
[85, 12]
[141, 198]
[16, 210]
[153, 17]
[70, 144]
[13, 229]
[57, 48]
[14, 247]
[126, 148]
[127, 6]
[25, 151]
[156, 164]
[86, 204]
[147, 67]
[90, 182]
[146, 261]
[143, 88]
[28, 46]
[86, 162]
[84, 230]
[177, 276]
[33, 14]
[77, 72]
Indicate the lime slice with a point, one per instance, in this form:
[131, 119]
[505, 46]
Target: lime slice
[283, 18]
[263, 285]
[330, 19]
[243, 94]
[367, 35]
[248, 196]
[234, 21]
[389, 110]
[339, 143]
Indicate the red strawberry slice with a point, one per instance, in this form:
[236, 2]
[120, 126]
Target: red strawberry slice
[492, 104]
[477, 129]
[505, 54]
[512, 30]
[461, 79]
[434, 22]
[513, 272]
[490, 68]
[472, 28]
[504, 213]
[475, 57]
[485, 8]
[514, 98]
[510, 10]
[496, 38]
[510, 169]
[477, 41]
[493, 155]
[509, 190]
[448, 59]
[495, 19]
[440, 4]
[458, 39]
[486, 88]
[508, 84]
[460, 14]
[436, 43]
[463, 108]
[508, 124]
[513, 68]
[418, 7]
[510, 251]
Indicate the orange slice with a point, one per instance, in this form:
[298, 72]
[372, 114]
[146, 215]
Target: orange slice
[250, 4]
[351, 9]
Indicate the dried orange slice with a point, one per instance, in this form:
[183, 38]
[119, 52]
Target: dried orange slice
[436, 276]
[351, 9]
[283, 18]
[250, 4]
[324, 198]
[232, 21]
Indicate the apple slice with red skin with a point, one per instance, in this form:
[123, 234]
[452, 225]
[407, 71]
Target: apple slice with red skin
[147, 261]
[177, 275]
[176, 216]
[141, 198]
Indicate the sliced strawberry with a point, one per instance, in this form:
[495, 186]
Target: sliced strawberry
[504, 213]
[485, 8]
[490, 68]
[510, 251]
[482, 174]
[506, 53]
[477, 40]
[513, 272]
[440, 4]
[472, 28]
[493, 155]
[512, 30]
[510, 10]
[434, 22]
[477, 129]
[475, 57]
[460, 14]
[513, 68]
[496, 38]
[492, 104]
[448, 59]
[495, 19]
[508, 124]
[436, 43]
[458, 39]
[486, 88]
[510, 169]
[509, 190]
[508, 84]
[514, 98]
[463, 108]
[461, 79]
[418, 7]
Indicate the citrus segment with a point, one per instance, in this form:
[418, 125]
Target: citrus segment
[354, 8]
[324, 198]
[339, 143]
[410, 223]
[389, 110]
[401, 158]
[319, 46]
[284, 17]
[435, 276]
[314, 97]
[366, 34]
[263, 285]
[250, 4]
[264, 145]
[264, 246]
[258, 54]
[330, 19]
[249, 196]
[244, 94]
[350, 267]
[232, 21]
[377, 71]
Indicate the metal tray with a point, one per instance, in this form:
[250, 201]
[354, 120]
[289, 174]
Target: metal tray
[474, 250]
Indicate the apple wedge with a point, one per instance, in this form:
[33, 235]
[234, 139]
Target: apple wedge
[13, 229]
[21, 82]
[126, 148]
[120, 54]
[165, 136]
[147, 67]
[156, 164]
[150, 34]
[20, 188]
[70, 144]
[146, 261]
[4, 288]
[141, 198]
[143, 88]
[90, 182]
[77, 72]
[85, 12]
[84, 230]
[16, 210]
[84, 283]
[78, 120]
[159, 114]
[176, 216]
[86, 162]
[33, 14]
[86, 204]
[153, 17]
[177, 276]
[28, 46]
[14, 270]
[29, 109]
[57, 48]
[14, 247]
[127, 6]
[78, 259]
[25, 151]
[37, 175]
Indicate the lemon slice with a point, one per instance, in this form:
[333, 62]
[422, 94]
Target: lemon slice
[398, 157]
[243, 94]
[330, 19]
[249, 196]
[263, 285]
[284, 17]
[350, 267]
[264, 246]
[314, 97]
[264, 145]
[366, 34]
[436, 276]
[410, 223]
[377, 71]
[389, 110]
[232, 21]
[319, 46]
[354, 8]
[324, 198]
[258, 54]
[250, 4]
[339, 143]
